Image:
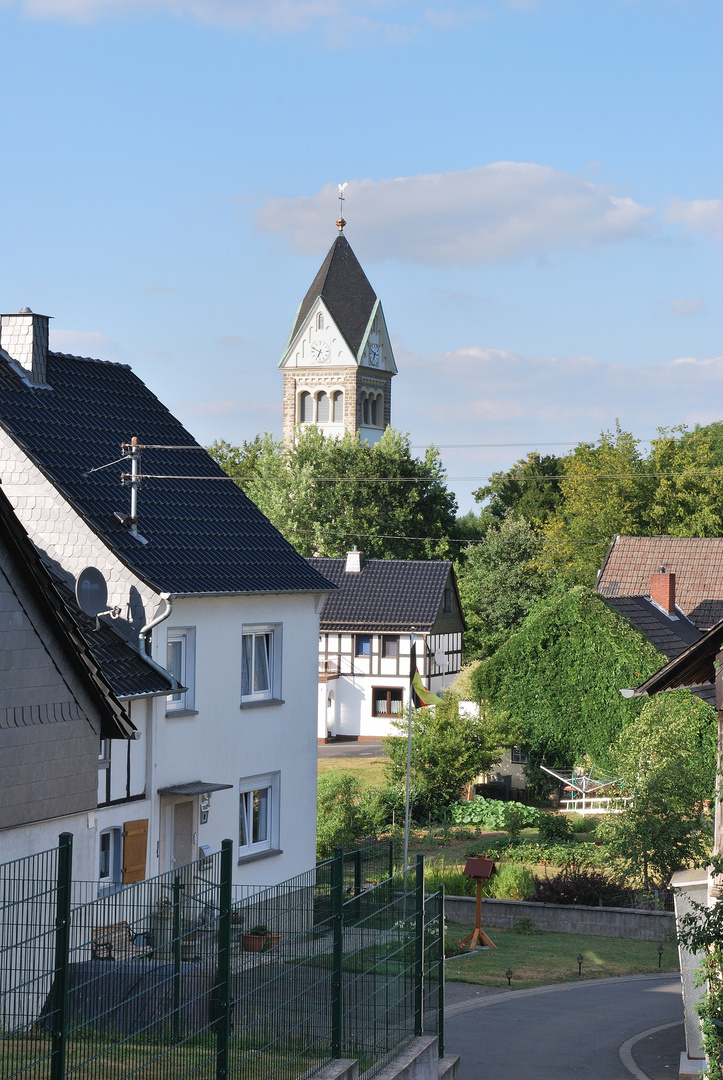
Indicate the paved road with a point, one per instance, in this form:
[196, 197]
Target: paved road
[567, 1032]
[351, 749]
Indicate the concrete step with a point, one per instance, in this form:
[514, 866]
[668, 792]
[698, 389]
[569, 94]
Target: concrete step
[448, 1068]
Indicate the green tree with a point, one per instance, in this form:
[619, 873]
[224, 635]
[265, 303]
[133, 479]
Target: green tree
[327, 494]
[530, 489]
[559, 676]
[340, 822]
[448, 751]
[603, 493]
[687, 499]
[238, 461]
[667, 759]
[499, 581]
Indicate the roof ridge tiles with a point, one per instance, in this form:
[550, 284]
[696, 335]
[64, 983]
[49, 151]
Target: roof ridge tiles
[87, 359]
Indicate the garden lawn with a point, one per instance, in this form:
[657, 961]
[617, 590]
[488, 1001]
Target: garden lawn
[542, 958]
[369, 771]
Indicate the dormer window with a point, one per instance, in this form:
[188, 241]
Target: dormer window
[320, 321]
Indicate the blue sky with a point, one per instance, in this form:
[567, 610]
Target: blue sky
[534, 191]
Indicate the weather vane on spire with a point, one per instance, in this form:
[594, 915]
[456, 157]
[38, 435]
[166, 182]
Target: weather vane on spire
[341, 223]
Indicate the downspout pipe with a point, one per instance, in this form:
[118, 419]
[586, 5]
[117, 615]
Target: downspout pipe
[145, 631]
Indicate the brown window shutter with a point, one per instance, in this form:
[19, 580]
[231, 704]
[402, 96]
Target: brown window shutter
[135, 842]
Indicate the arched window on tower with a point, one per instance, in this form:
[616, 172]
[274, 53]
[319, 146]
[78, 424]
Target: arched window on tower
[322, 407]
[306, 411]
[380, 410]
[365, 409]
[320, 321]
[337, 407]
[373, 412]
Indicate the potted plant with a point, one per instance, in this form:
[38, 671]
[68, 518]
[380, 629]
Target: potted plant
[259, 939]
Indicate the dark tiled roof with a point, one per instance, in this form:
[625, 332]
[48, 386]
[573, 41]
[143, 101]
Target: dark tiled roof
[204, 536]
[696, 562]
[671, 637]
[343, 286]
[114, 721]
[124, 668]
[693, 668]
[388, 594]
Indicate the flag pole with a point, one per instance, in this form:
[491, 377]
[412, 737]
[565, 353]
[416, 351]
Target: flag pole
[412, 668]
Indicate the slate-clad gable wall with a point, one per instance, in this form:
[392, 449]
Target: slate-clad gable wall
[65, 540]
[47, 771]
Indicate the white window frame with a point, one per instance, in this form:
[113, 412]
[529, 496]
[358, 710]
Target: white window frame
[183, 702]
[272, 694]
[112, 881]
[271, 784]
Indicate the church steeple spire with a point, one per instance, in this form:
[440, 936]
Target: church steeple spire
[338, 361]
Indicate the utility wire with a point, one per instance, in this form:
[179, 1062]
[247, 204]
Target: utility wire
[439, 479]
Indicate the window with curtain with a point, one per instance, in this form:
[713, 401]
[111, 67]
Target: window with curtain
[258, 814]
[256, 665]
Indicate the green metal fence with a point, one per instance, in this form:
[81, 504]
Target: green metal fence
[186, 975]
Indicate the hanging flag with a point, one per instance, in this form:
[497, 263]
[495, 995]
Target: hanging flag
[420, 695]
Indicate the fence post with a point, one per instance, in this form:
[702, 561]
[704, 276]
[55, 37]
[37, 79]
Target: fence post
[176, 931]
[440, 991]
[62, 953]
[419, 950]
[391, 859]
[223, 1021]
[337, 913]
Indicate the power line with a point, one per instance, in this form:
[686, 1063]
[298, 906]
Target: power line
[438, 479]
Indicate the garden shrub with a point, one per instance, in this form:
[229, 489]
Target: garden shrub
[511, 882]
[580, 824]
[524, 926]
[554, 828]
[494, 814]
[578, 885]
[340, 822]
[439, 872]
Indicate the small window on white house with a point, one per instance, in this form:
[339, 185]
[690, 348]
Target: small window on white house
[306, 408]
[320, 321]
[322, 408]
[387, 701]
[180, 662]
[260, 664]
[109, 860]
[390, 646]
[337, 407]
[258, 814]
[363, 645]
[518, 756]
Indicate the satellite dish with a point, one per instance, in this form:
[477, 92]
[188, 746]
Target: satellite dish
[91, 592]
[439, 656]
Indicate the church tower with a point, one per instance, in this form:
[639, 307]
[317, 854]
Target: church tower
[338, 362]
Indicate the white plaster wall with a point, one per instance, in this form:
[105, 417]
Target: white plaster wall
[224, 743]
[25, 840]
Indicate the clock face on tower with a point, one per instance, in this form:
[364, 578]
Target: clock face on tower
[320, 352]
[375, 354]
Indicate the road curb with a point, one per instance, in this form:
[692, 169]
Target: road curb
[625, 1052]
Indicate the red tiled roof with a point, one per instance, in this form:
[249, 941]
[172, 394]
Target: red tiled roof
[697, 563]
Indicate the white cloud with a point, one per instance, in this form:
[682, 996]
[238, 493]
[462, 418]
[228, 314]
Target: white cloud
[679, 308]
[487, 214]
[703, 215]
[85, 343]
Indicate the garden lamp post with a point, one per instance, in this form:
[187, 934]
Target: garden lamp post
[508, 976]
[580, 959]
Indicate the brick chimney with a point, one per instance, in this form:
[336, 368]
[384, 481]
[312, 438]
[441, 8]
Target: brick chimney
[24, 337]
[662, 590]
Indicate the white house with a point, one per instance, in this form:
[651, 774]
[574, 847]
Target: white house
[365, 640]
[199, 585]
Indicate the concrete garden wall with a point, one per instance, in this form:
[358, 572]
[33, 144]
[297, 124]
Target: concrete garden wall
[564, 918]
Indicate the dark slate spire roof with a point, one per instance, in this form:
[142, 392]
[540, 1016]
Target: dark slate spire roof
[204, 536]
[386, 595]
[343, 286]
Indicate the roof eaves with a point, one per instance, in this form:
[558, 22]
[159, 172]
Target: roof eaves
[694, 667]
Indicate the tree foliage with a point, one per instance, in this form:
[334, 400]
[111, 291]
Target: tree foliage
[667, 758]
[499, 581]
[559, 676]
[238, 461]
[326, 495]
[530, 489]
[449, 750]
